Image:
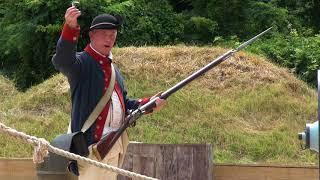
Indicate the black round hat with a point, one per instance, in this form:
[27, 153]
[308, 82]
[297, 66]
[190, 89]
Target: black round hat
[106, 21]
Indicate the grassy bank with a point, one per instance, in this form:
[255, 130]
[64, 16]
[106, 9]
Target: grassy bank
[247, 108]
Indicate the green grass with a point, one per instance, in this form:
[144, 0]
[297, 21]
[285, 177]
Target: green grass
[247, 108]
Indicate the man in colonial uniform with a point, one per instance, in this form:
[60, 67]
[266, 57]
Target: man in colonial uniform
[89, 76]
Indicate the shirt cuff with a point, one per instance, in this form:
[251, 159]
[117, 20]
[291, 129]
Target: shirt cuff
[70, 34]
[143, 101]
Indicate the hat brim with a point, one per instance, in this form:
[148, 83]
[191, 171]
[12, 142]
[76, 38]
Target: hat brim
[104, 26]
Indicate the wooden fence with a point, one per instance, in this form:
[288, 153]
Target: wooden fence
[264, 172]
[24, 169]
[176, 162]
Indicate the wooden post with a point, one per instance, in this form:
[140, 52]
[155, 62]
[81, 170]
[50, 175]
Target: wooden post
[170, 161]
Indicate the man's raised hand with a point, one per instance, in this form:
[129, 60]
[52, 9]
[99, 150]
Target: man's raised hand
[71, 17]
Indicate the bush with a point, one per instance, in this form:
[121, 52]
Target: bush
[261, 16]
[26, 39]
[229, 15]
[29, 35]
[300, 54]
[200, 30]
[148, 22]
[30, 29]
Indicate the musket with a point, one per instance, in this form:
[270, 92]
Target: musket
[101, 148]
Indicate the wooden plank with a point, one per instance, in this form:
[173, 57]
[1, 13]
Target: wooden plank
[202, 163]
[128, 166]
[145, 150]
[171, 161]
[144, 165]
[159, 170]
[184, 160]
[24, 169]
[169, 157]
[17, 169]
[258, 172]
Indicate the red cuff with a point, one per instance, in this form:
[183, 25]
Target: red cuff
[70, 34]
[143, 101]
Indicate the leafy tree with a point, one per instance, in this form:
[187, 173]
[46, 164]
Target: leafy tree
[306, 11]
[261, 15]
[229, 15]
[29, 35]
[30, 29]
[148, 22]
[200, 30]
[181, 5]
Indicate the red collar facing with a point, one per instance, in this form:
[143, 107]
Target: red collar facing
[102, 60]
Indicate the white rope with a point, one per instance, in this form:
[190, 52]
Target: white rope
[42, 147]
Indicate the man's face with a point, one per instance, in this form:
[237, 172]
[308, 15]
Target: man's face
[103, 40]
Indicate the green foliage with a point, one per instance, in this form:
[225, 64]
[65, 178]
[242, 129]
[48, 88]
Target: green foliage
[30, 29]
[307, 12]
[300, 54]
[262, 15]
[147, 22]
[230, 15]
[243, 17]
[28, 35]
[200, 30]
